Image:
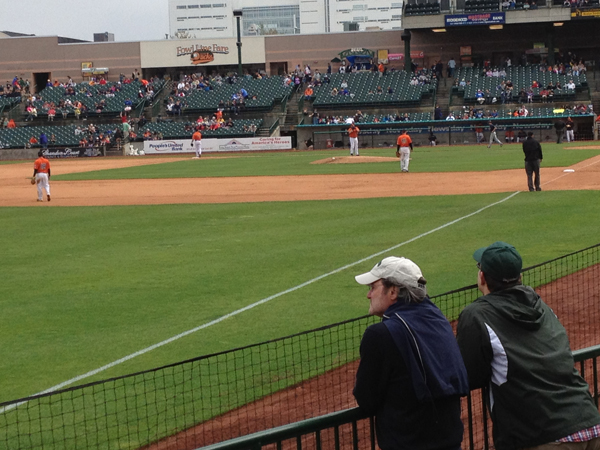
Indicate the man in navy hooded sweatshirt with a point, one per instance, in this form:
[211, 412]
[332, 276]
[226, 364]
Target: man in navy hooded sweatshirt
[411, 374]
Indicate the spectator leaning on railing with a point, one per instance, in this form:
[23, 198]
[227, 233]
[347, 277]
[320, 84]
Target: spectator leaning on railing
[411, 375]
[515, 348]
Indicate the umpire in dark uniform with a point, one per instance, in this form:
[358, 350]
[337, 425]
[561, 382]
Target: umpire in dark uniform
[533, 158]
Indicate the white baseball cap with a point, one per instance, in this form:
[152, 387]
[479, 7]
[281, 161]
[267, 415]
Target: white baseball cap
[400, 271]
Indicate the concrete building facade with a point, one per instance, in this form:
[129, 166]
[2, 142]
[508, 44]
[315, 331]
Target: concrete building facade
[214, 18]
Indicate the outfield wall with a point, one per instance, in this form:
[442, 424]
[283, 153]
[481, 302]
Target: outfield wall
[175, 146]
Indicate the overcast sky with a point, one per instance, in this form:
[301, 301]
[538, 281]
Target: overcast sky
[128, 20]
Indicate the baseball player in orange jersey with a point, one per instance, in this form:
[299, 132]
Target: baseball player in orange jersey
[403, 149]
[353, 133]
[197, 144]
[41, 173]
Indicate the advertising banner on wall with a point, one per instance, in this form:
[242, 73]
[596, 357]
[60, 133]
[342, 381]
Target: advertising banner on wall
[218, 145]
[200, 52]
[77, 152]
[455, 20]
[414, 54]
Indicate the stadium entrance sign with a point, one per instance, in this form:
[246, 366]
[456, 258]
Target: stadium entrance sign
[457, 20]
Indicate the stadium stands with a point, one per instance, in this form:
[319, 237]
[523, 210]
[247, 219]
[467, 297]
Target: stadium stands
[8, 101]
[111, 96]
[64, 135]
[363, 90]
[422, 9]
[533, 113]
[184, 130]
[482, 5]
[262, 93]
[394, 117]
[522, 77]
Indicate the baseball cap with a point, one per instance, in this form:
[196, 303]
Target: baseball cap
[400, 271]
[500, 260]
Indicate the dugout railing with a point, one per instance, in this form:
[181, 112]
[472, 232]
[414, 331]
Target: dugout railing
[229, 394]
[351, 428]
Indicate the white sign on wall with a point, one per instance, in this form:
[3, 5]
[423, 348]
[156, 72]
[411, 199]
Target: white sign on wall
[198, 52]
[218, 145]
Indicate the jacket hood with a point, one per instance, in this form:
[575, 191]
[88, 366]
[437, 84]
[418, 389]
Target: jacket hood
[522, 306]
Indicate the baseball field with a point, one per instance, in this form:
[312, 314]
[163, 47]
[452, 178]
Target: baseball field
[140, 262]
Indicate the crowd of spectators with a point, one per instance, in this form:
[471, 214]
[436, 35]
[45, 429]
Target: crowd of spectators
[580, 4]
[15, 88]
[512, 4]
[473, 112]
[569, 65]
[317, 118]
[419, 78]
[188, 84]
[69, 105]
[91, 136]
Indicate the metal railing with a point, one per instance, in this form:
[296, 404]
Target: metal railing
[216, 397]
[351, 428]
[273, 127]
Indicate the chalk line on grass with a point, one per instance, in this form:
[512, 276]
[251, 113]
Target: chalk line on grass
[569, 173]
[255, 304]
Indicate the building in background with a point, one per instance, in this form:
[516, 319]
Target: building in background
[214, 18]
[104, 37]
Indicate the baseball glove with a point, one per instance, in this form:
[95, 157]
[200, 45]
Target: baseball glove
[32, 180]
[397, 153]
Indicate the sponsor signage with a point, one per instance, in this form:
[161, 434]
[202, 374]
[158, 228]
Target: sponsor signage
[218, 145]
[197, 52]
[201, 53]
[356, 52]
[400, 56]
[53, 153]
[588, 13]
[457, 20]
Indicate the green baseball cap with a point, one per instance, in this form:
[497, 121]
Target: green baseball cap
[500, 260]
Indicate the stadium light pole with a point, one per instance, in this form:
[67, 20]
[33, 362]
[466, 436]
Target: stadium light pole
[407, 61]
[237, 13]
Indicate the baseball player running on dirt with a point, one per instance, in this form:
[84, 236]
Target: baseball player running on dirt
[41, 176]
[493, 136]
[403, 149]
[197, 144]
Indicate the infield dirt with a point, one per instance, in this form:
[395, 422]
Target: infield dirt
[16, 190]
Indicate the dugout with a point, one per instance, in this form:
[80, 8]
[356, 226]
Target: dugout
[458, 132]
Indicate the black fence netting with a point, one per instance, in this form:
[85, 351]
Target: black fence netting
[220, 396]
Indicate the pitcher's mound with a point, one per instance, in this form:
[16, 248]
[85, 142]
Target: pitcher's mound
[354, 159]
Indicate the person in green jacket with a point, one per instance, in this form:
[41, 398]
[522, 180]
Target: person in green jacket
[515, 348]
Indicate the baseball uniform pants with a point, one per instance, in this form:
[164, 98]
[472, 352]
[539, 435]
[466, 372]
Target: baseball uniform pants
[404, 158]
[198, 148]
[494, 137]
[354, 146]
[41, 181]
[570, 136]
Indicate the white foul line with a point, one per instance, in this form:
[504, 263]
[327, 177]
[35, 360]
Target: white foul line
[569, 173]
[254, 305]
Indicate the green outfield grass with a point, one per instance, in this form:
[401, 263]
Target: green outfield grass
[424, 159]
[87, 286]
